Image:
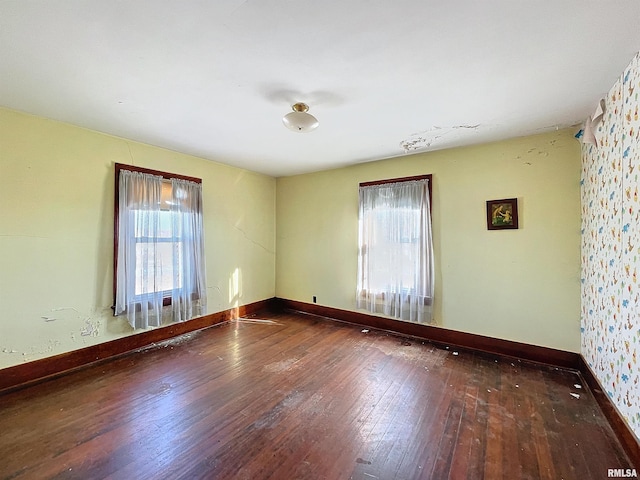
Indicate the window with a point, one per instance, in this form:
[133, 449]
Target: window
[159, 247]
[395, 256]
[156, 256]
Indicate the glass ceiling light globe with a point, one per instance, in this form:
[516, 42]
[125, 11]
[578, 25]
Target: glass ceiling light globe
[299, 120]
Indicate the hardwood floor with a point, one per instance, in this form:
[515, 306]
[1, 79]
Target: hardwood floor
[291, 396]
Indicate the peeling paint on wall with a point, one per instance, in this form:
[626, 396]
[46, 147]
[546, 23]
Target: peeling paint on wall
[91, 328]
[44, 344]
[537, 151]
[425, 139]
[46, 349]
[416, 144]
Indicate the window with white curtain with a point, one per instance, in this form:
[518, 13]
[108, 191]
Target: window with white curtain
[159, 264]
[395, 255]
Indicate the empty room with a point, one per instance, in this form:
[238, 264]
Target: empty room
[319, 240]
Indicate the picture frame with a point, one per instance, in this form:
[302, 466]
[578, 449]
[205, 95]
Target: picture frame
[502, 214]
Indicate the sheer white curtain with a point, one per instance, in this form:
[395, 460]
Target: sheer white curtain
[160, 255]
[186, 206]
[395, 259]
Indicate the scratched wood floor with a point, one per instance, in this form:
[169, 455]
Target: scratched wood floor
[306, 398]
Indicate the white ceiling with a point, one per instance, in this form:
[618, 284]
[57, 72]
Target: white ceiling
[213, 78]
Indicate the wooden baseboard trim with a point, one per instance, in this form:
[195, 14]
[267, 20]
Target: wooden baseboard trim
[618, 424]
[38, 370]
[470, 341]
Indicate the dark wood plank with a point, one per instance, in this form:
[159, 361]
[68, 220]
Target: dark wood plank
[288, 395]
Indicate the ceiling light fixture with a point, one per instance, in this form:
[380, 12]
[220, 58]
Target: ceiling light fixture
[299, 120]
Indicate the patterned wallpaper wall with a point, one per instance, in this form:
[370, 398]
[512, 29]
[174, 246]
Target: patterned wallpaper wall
[610, 317]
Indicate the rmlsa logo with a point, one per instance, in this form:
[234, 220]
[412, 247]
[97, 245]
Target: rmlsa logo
[622, 473]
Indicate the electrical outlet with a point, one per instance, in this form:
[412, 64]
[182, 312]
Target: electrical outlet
[314, 299]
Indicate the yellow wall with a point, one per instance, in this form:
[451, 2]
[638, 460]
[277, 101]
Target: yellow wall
[56, 233]
[520, 285]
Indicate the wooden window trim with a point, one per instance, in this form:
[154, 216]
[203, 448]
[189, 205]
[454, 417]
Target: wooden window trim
[428, 176]
[167, 175]
[116, 213]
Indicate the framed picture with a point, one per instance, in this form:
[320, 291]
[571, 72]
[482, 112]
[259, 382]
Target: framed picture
[502, 214]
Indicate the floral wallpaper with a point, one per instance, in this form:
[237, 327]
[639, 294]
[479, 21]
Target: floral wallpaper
[610, 189]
